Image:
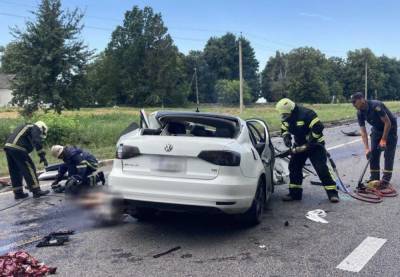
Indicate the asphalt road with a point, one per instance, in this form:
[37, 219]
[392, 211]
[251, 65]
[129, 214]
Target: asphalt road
[215, 245]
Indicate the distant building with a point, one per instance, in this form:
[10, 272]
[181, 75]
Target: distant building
[5, 89]
[261, 100]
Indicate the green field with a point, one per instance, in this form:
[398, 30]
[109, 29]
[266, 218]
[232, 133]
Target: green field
[97, 130]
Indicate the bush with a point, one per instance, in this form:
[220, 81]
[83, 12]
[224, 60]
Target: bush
[7, 125]
[62, 129]
[228, 92]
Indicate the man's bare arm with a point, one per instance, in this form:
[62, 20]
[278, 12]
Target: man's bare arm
[364, 137]
[388, 124]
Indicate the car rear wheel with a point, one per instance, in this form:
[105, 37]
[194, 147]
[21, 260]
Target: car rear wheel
[254, 215]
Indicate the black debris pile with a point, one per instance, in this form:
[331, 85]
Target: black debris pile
[55, 239]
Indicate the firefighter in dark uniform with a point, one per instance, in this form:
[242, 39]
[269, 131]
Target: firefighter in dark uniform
[307, 129]
[383, 136]
[18, 146]
[81, 167]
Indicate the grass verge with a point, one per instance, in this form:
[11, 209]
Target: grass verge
[98, 130]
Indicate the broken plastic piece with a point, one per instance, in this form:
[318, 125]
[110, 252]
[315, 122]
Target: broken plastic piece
[317, 216]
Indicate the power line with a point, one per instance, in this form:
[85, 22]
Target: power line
[13, 15]
[271, 48]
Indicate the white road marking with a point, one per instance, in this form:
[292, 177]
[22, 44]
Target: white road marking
[362, 254]
[343, 144]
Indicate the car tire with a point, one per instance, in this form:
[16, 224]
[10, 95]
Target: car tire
[144, 214]
[254, 215]
[269, 190]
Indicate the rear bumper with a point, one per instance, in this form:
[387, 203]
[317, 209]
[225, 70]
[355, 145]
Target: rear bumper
[229, 194]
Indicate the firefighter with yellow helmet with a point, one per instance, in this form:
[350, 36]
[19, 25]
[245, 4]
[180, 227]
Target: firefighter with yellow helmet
[306, 128]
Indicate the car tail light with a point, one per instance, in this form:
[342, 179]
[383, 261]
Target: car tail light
[223, 158]
[126, 152]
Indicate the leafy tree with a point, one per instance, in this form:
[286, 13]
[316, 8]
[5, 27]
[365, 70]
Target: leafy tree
[148, 65]
[9, 59]
[250, 68]
[307, 69]
[222, 56]
[100, 83]
[205, 79]
[390, 89]
[50, 60]
[274, 78]
[228, 92]
[335, 77]
[355, 72]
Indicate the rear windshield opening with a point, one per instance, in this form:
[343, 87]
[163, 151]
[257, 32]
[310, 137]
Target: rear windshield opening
[198, 127]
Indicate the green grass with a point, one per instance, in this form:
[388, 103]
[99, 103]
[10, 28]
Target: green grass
[98, 130]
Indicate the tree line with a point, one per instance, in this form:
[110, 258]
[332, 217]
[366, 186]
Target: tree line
[141, 66]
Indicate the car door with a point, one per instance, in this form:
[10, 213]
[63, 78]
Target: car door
[144, 121]
[261, 139]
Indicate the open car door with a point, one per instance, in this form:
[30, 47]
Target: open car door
[144, 121]
[260, 136]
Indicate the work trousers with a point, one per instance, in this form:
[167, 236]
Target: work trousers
[389, 154]
[318, 158]
[21, 166]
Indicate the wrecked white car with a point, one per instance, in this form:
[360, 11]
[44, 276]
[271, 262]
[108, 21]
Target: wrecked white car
[193, 161]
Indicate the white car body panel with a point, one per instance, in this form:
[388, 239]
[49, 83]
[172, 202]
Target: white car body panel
[178, 176]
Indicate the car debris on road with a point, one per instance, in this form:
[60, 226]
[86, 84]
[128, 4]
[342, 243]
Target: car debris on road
[21, 263]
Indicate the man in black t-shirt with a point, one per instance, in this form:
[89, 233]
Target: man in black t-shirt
[383, 135]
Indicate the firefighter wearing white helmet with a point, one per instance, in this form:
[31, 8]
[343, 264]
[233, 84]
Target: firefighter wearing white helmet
[81, 167]
[307, 130]
[22, 141]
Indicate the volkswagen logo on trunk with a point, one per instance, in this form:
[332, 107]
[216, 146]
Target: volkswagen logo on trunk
[168, 147]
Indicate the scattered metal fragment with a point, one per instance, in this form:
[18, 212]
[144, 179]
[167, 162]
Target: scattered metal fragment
[166, 252]
[262, 246]
[351, 133]
[55, 238]
[185, 256]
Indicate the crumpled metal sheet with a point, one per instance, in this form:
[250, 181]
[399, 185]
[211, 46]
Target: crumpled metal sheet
[351, 133]
[21, 263]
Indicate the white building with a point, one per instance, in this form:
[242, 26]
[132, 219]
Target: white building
[5, 89]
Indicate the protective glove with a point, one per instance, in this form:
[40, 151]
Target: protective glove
[54, 184]
[43, 160]
[382, 144]
[368, 153]
[287, 140]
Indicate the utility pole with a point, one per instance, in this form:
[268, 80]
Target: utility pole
[366, 79]
[241, 73]
[197, 87]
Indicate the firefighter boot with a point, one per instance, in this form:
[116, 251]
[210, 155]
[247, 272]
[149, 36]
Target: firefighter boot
[38, 193]
[20, 195]
[333, 196]
[293, 195]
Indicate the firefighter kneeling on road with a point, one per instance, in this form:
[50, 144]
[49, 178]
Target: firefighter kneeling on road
[81, 167]
[307, 129]
[18, 146]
